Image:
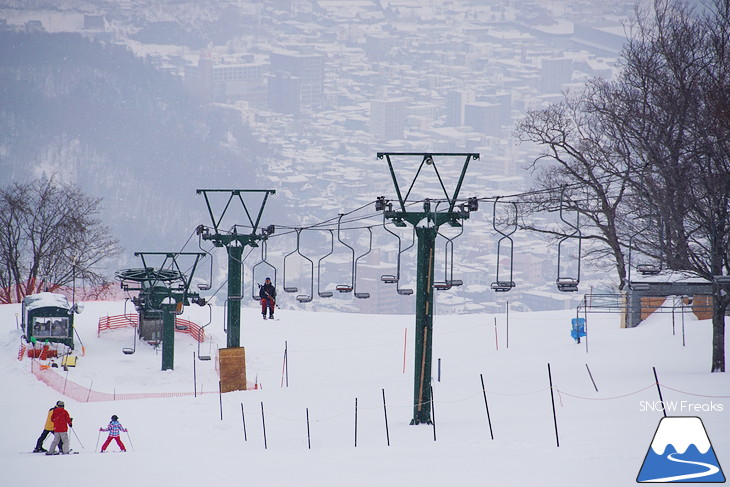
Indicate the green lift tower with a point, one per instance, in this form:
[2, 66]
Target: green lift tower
[235, 242]
[426, 221]
[163, 291]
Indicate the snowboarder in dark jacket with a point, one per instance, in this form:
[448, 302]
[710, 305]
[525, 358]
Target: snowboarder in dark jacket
[267, 293]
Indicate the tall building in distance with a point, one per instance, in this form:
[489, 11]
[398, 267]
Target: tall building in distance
[483, 117]
[308, 69]
[455, 102]
[244, 79]
[388, 118]
[555, 72]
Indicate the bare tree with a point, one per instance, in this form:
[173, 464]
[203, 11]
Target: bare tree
[651, 150]
[49, 235]
[583, 169]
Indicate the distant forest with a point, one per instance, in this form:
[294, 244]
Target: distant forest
[119, 128]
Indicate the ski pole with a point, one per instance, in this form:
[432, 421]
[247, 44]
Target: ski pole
[97, 441]
[130, 440]
[77, 437]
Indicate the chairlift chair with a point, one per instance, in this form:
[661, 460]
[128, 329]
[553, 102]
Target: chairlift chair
[395, 279]
[290, 289]
[320, 293]
[205, 286]
[564, 283]
[126, 350]
[649, 269]
[210, 320]
[346, 288]
[354, 272]
[399, 290]
[449, 280]
[302, 298]
[499, 285]
[263, 261]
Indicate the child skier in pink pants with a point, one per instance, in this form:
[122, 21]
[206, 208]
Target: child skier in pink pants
[114, 428]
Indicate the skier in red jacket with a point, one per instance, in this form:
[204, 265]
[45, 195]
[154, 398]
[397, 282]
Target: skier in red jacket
[61, 421]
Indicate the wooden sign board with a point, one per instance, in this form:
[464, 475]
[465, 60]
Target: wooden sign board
[232, 363]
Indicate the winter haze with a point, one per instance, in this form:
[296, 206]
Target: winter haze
[143, 102]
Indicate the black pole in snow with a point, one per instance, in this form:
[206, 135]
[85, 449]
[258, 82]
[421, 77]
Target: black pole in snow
[385, 413]
[263, 423]
[220, 398]
[486, 405]
[433, 415]
[591, 376]
[659, 389]
[552, 399]
[243, 419]
[309, 440]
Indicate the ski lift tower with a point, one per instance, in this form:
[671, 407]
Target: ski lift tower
[234, 243]
[163, 292]
[426, 222]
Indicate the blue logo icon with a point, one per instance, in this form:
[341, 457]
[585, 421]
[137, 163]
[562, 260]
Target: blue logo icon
[681, 452]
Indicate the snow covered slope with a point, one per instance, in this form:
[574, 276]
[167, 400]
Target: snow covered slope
[335, 359]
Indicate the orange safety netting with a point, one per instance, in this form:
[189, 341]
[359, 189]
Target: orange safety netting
[86, 394]
[122, 321]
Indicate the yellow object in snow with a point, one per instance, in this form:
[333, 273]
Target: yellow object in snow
[69, 361]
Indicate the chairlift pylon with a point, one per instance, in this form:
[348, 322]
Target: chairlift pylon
[346, 288]
[354, 271]
[389, 278]
[320, 293]
[264, 255]
[569, 284]
[499, 285]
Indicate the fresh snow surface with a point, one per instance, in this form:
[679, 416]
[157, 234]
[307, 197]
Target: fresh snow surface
[334, 359]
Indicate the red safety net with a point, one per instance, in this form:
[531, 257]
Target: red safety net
[86, 394]
[123, 321]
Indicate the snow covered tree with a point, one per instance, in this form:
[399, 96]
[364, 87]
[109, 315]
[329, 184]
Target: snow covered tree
[48, 236]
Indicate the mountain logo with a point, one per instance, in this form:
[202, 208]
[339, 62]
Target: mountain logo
[681, 452]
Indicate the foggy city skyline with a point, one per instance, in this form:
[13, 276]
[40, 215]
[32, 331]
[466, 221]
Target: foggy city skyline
[299, 97]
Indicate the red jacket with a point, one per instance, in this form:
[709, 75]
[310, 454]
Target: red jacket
[61, 420]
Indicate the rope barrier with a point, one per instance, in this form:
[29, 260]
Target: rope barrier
[605, 398]
[692, 394]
